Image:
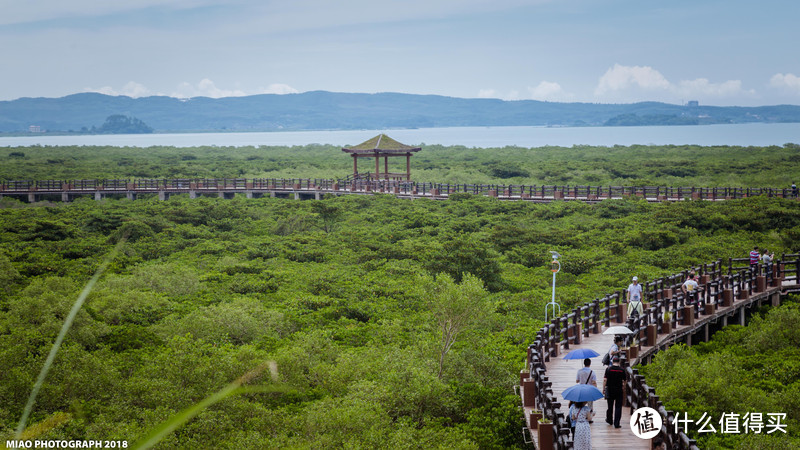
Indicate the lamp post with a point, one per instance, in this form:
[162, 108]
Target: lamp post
[555, 267]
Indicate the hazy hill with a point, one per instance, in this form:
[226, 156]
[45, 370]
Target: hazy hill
[329, 110]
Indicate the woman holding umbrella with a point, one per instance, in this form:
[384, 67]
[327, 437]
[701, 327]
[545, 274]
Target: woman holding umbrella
[581, 415]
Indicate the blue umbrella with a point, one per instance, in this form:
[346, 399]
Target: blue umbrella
[581, 353]
[582, 393]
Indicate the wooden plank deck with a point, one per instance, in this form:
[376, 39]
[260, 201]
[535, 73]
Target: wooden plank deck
[562, 374]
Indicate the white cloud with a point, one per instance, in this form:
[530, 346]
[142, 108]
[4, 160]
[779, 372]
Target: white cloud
[620, 78]
[204, 88]
[788, 81]
[492, 93]
[702, 87]
[549, 91]
[641, 83]
[278, 88]
[131, 89]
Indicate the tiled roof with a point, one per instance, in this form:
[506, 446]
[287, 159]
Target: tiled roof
[382, 144]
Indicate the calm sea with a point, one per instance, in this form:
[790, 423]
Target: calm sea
[757, 134]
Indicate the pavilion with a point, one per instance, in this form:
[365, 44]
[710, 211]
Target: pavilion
[377, 147]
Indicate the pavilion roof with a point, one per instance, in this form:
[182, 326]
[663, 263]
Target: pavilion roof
[381, 144]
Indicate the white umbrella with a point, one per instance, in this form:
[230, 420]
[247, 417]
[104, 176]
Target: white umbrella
[619, 329]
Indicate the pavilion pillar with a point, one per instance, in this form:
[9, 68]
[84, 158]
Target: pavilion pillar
[355, 165]
[377, 166]
[408, 166]
[386, 167]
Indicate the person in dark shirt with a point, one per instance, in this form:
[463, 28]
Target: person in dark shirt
[614, 387]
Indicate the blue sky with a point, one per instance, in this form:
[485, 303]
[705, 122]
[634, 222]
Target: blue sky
[718, 52]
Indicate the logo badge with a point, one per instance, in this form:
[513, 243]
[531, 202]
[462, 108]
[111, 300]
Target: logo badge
[646, 423]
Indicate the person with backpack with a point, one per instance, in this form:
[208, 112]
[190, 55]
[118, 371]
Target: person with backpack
[634, 298]
[612, 351]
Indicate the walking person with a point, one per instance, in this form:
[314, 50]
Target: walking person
[587, 376]
[580, 414]
[612, 351]
[570, 422]
[634, 298]
[614, 383]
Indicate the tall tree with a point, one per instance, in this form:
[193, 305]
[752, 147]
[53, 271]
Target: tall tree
[455, 308]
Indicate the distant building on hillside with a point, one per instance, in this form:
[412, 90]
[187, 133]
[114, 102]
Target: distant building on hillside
[693, 104]
[35, 129]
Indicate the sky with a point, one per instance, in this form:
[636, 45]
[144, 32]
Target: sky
[717, 52]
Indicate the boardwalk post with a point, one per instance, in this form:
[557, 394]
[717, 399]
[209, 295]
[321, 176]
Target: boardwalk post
[652, 335]
[546, 436]
[622, 311]
[688, 315]
[778, 276]
[529, 393]
[727, 292]
[743, 293]
[761, 283]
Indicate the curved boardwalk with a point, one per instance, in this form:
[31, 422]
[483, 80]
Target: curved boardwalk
[727, 298]
[562, 374]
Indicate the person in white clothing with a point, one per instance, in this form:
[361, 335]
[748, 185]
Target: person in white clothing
[587, 376]
[766, 260]
[634, 298]
[690, 289]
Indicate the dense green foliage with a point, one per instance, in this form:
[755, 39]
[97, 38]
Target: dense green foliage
[347, 295]
[119, 124]
[742, 369]
[579, 165]
[634, 120]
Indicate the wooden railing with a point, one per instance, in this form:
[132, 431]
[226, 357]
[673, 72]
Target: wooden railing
[719, 285]
[652, 193]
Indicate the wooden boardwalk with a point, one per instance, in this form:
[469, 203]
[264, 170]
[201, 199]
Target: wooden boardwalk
[312, 188]
[562, 374]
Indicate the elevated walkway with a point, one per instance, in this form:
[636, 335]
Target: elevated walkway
[726, 299]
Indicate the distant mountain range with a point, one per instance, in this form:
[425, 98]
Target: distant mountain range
[320, 110]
